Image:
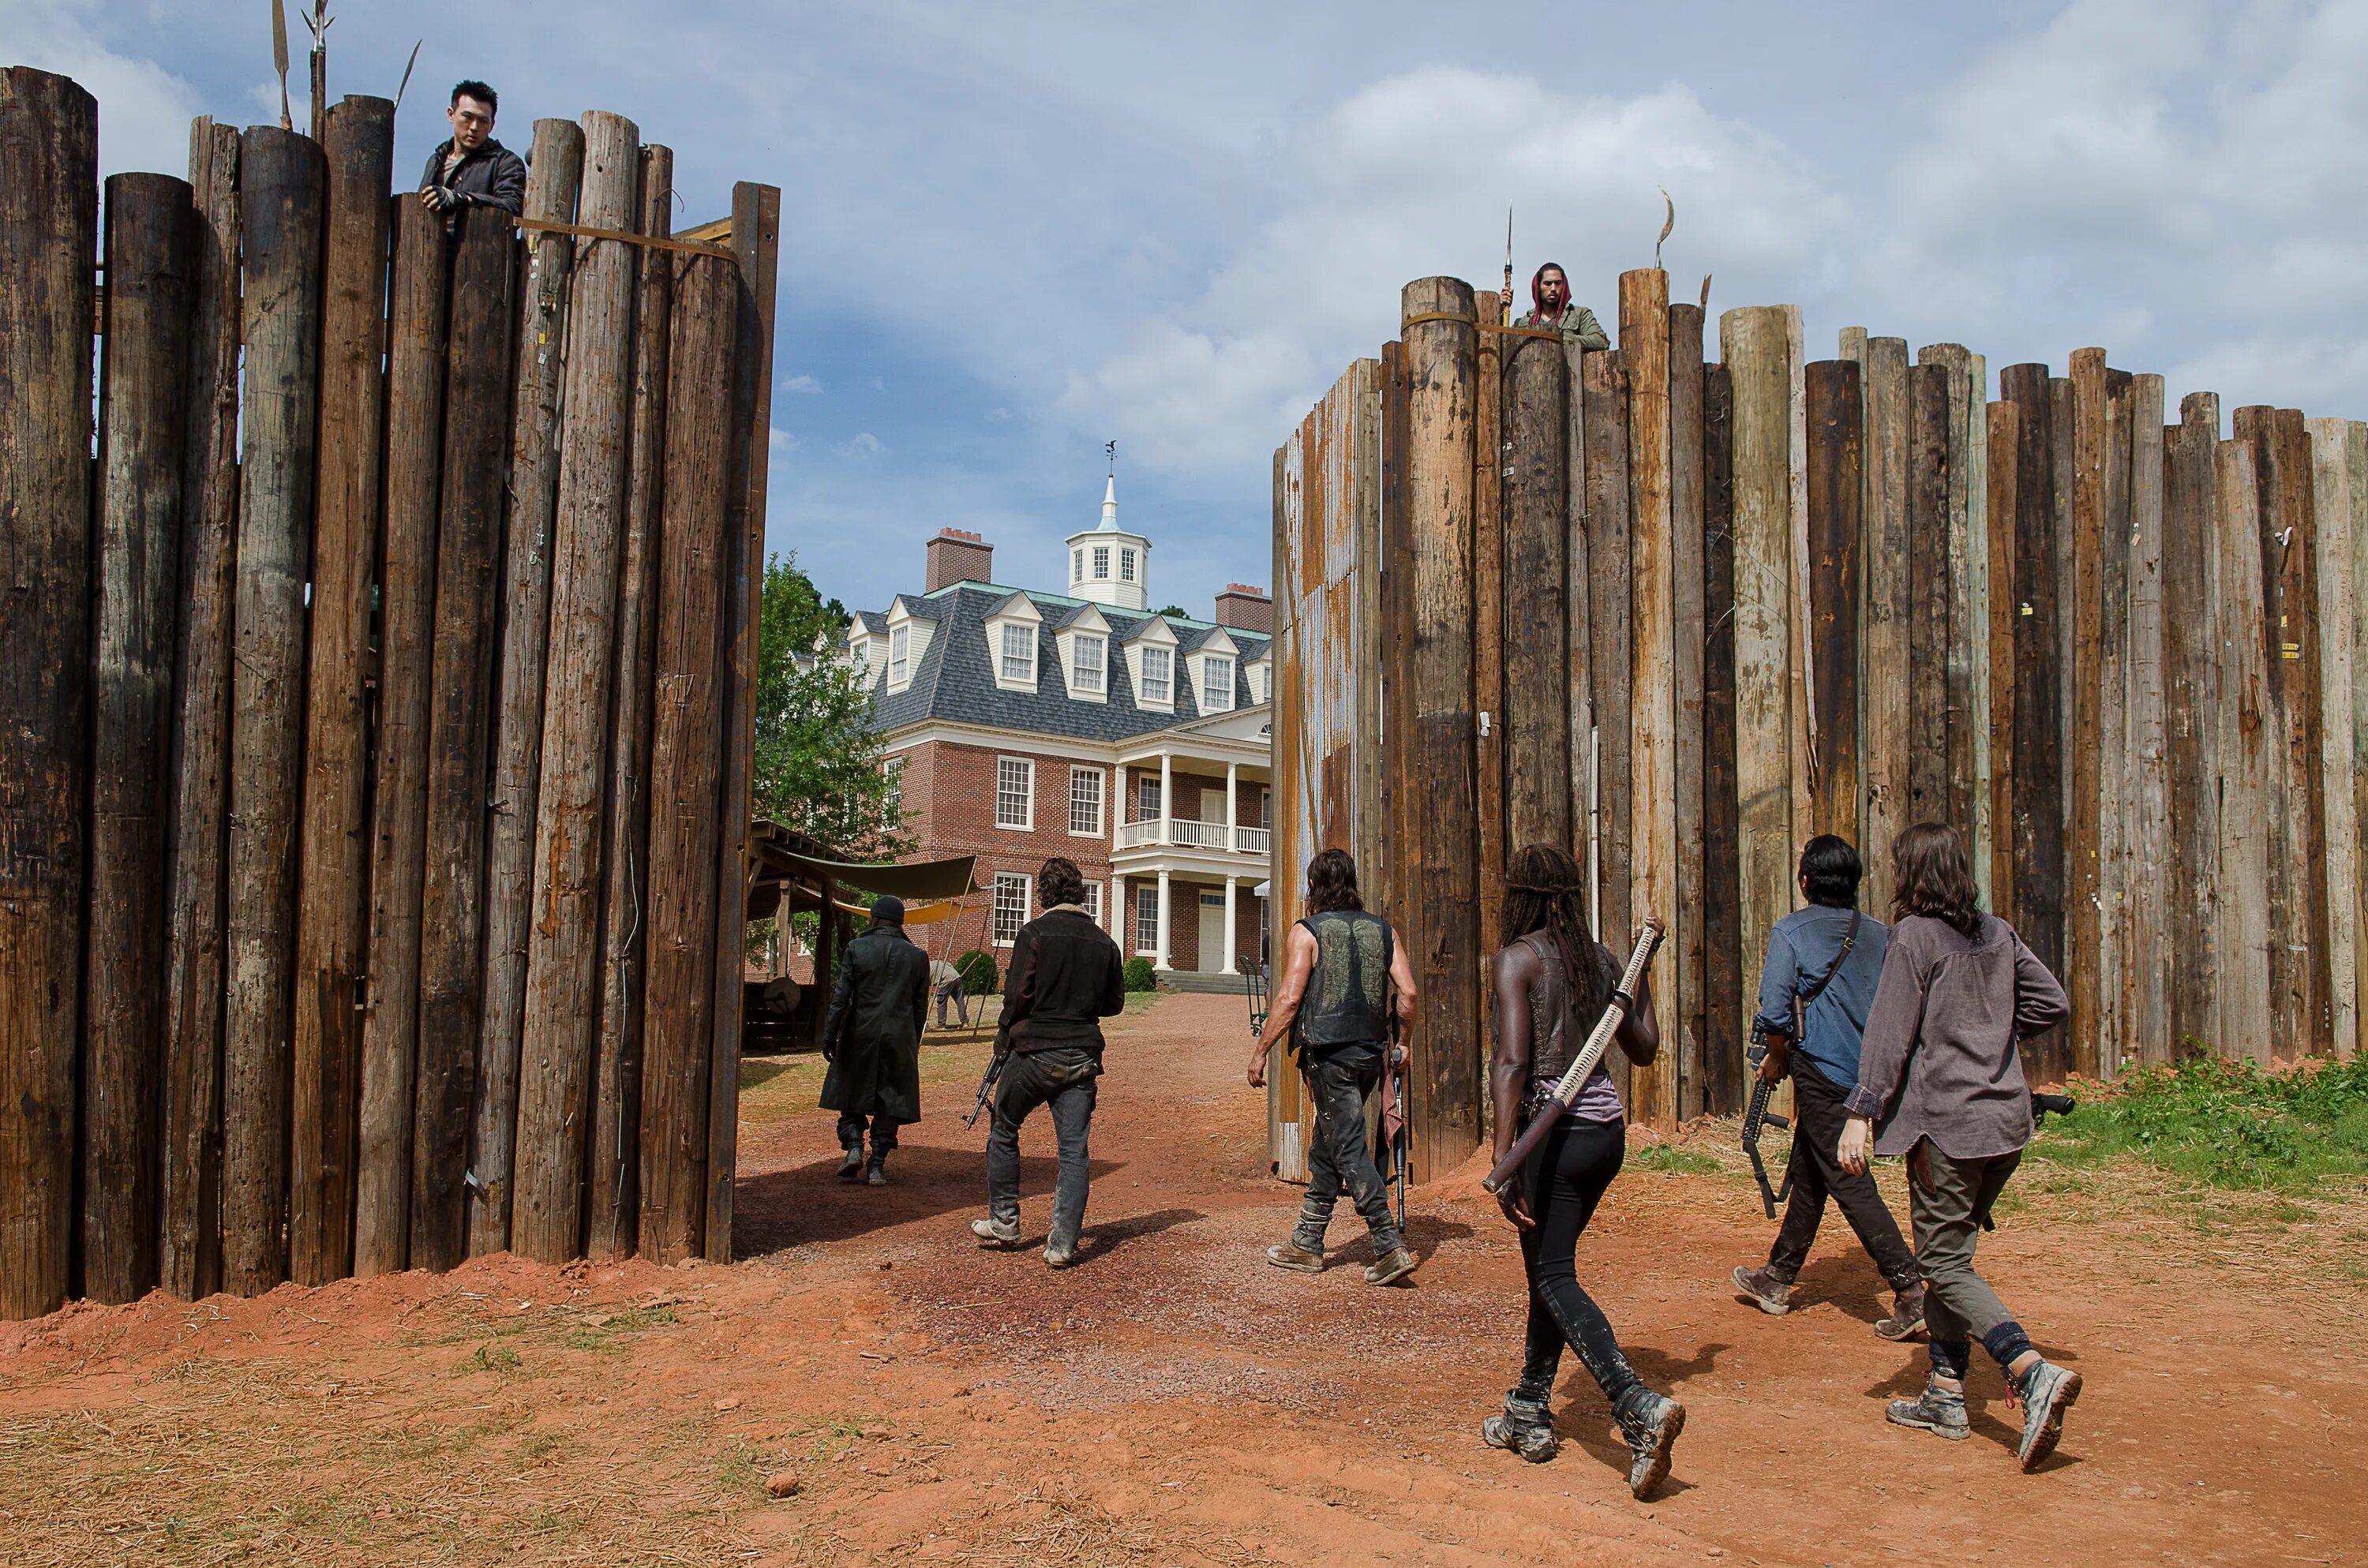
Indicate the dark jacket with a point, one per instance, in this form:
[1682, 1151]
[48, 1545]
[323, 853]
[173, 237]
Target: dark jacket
[1066, 977]
[872, 1032]
[493, 176]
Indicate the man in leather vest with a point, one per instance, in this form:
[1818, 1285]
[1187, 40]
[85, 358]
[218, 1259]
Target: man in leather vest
[872, 1038]
[1340, 968]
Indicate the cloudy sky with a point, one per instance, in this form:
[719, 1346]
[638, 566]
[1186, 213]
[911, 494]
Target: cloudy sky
[1013, 232]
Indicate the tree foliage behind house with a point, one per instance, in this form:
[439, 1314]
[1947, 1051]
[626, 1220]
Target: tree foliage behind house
[818, 760]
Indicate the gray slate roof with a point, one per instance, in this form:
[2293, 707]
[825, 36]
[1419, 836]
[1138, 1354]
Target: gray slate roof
[955, 683]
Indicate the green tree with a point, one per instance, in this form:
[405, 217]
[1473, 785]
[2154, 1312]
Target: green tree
[819, 767]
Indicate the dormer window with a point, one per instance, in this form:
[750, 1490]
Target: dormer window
[1216, 683]
[900, 647]
[1158, 673]
[858, 653]
[1126, 566]
[1101, 564]
[1087, 662]
[1019, 654]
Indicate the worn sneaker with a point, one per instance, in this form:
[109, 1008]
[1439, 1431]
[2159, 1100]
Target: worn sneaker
[1058, 1256]
[1391, 1266]
[1939, 1411]
[1651, 1422]
[1770, 1294]
[851, 1167]
[2046, 1392]
[1291, 1255]
[1907, 1314]
[993, 1232]
[1525, 1428]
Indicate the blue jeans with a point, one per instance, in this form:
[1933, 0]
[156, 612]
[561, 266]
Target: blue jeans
[1064, 1081]
[1339, 1156]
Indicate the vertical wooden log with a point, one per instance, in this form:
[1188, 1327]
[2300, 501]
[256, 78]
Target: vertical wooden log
[1536, 638]
[332, 913]
[1725, 1008]
[1653, 783]
[1804, 673]
[2193, 752]
[1884, 561]
[414, 422]
[143, 371]
[1611, 606]
[2356, 526]
[1579, 626]
[1753, 345]
[282, 178]
[1297, 559]
[2037, 814]
[2084, 733]
[2333, 481]
[617, 1094]
[1964, 634]
[2063, 452]
[2248, 941]
[190, 1237]
[460, 671]
[555, 1053]
[1835, 480]
[686, 755]
[1492, 458]
[551, 183]
[756, 241]
[1930, 757]
[2001, 475]
[1442, 359]
[1687, 577]
[2146, 871]
[2114, 775]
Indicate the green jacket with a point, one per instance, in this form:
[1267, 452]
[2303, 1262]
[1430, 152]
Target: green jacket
[1578, 324]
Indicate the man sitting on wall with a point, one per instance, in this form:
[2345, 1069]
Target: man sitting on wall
[1550, 293]
[472, 169]
[872, 1038]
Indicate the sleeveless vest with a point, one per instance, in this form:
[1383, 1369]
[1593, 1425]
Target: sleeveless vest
[1348, 1000]
[1556, 1032]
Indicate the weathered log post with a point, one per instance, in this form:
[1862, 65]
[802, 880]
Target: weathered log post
[460, 677]
[1578, 621]
[1724, 1007]
[2001, 472]
[1884, 561]
[1686, 639]
[282, 180]
[1442, 362]
[2193, 750]
[1836, 434]
[1489, 459]
[1928, 717]
[1964, 654]
[143, 371]
[415, 424]
[333, 911]
[2146, 1007]
[2114, 781]
[190, 1237]
[2036, 767]
[1604, 378]
[558, 1025]
[1537, 737]
[686, 751]
[2333, 481]
[550, 191]
[2248, 746]
[617, 1103]
[2356, 532]
[1651, 758]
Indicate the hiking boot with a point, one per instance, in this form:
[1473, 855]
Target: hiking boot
[1391, 1266]
[1907, 1314]
[1059, 1256]
[851, 1167]
[2046, 1392]
[993, 1233]
[1651, 1422]
[875, 1170]
[1526, 1428]
[1939, 1411]
[1291, 1255]
[1768, 1293]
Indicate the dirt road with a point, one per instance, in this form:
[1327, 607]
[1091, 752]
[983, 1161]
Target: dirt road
[1173, 1400]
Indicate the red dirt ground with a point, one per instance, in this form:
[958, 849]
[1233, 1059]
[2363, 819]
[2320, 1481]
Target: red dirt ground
[1173, 1400]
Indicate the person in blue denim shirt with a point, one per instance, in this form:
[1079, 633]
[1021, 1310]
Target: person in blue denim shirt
[1823, 1063]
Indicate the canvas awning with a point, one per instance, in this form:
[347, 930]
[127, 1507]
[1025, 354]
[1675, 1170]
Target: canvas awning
[783, 854]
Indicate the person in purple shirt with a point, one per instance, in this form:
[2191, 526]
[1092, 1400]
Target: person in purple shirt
[1552, 982]
[1941, 1080]
[1805, 960]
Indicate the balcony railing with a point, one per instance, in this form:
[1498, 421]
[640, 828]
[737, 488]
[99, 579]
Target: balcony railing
[1198, 834]
[1160, 832]
[1251, 840]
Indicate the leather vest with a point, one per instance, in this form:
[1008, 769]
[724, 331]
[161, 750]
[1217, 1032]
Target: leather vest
[1348, 1000]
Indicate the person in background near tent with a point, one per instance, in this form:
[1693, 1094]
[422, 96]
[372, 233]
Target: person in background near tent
[945, 985]
[1554, 981]
[1550, 294]
[1065, 978]
[472, 169]
[1830, 956]
[1941, 1080]
[1339, 1029]
[872, 1038]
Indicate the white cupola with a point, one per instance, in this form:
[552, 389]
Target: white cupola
[1109, 565]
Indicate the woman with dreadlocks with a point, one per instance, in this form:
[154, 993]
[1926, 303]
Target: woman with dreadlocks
[1553, 982]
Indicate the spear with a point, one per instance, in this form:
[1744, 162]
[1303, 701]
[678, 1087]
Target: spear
[1509, 264]
[279, 58]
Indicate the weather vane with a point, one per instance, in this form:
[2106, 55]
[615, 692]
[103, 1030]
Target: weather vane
[1109, 451]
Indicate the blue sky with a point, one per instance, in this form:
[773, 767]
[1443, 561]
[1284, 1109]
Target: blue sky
[1012, 232]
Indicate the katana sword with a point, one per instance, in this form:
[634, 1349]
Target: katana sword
[1623, 1002]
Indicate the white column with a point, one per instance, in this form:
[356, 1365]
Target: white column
[1111, 805]
[1233, 841]
[1117, 916]
[1167, 835]
[1229, 924]
[1159, 960]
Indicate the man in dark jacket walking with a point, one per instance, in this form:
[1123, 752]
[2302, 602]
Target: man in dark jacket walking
[1066, 977]
[872, 1038]
[472, 169]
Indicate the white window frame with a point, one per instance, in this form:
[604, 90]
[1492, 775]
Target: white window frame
[1166, 696]
[1028, 767]
[1149, 806]
[1146, 919]
[1094, 902]
[1210, 686]
[1101, 564]
[1009, 654]
[892, 804]
[1088, 671]
[1077, 565]
[900, 657]
[1126, 566]
[1086, 775]
[1001, 912]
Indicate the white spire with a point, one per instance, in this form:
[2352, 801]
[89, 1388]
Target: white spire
[1110, 505]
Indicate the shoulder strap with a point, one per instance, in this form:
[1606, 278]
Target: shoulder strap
[1850, 940]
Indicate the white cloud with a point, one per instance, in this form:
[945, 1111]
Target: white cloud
[862, 447]
[803, 385]
[144, 110]
[783, 441]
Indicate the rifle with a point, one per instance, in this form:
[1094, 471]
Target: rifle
[985, 1087]
[1623, 1000]
[1394, 1117]
[2041, 1106]
[1756, 1116]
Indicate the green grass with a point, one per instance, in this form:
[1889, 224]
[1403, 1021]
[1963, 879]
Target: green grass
[491, 1358]
[1671, 1160]
[2226, 1125]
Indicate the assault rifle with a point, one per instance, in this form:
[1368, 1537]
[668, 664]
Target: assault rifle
[986, 1088]
[2042, 1106]
[1623, 1000]
[1756, 1116]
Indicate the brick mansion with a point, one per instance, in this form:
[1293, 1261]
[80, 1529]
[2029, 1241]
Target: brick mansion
[1022, 724]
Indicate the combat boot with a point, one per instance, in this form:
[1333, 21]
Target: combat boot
[875, 1170]
[1391, 1266]
[1766, 1289]
[1526, 1428]
[851, 1167]
[1651, 1422]
[1907, 1314]
[1939, 1411]
[2046, 1392]
[1300, 1259]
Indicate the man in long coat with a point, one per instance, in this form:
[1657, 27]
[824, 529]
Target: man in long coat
[872, 1038]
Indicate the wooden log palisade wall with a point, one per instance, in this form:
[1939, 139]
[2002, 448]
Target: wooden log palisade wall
[1679, 613]
[380, 694]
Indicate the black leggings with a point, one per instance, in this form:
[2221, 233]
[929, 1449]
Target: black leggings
[1566, 1176]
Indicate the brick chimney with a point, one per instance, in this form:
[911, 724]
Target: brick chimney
[1246, 608]
[957, 555]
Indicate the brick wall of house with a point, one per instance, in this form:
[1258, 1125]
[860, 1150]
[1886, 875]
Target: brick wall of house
[1184, 918]
[1248, 794]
